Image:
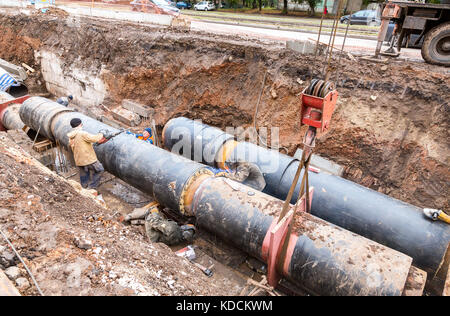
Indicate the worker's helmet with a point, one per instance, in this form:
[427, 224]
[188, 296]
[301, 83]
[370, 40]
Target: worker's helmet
[188, 232]
[75, 122]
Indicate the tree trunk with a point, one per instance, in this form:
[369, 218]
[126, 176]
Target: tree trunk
[260, 5]
[285, 7]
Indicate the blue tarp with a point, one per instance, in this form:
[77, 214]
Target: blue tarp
[6, 81]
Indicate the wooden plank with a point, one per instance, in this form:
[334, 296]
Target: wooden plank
[6, 287]
[446, 291]
[415, 282]
[43, 144]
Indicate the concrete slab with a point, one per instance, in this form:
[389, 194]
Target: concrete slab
[304, 47]
[17, 3]
[6, 287]
[322, 163]
[142, 17]
[138, 108]
[17, 72]
[110, 122]
[126, 116]
[95, 112]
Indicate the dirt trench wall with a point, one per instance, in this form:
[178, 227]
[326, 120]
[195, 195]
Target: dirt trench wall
[390, 129]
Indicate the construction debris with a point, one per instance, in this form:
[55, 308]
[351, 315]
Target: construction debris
[80, 242]
[6, 287]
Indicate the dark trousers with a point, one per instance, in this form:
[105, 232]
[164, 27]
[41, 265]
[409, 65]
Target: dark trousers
[96, 170]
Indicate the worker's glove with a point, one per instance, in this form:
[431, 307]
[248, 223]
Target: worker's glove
[142, 212]
[188, 232]
[107, 133]
[138, 213]
[101, 141]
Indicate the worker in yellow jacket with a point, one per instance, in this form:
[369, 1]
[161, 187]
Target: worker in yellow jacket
[81, 143]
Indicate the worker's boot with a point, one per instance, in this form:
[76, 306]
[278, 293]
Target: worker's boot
[84, 176]
[97, 171]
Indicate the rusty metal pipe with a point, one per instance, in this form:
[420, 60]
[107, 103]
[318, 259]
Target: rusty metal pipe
[321, 256]
[9, 116]
[368, 213]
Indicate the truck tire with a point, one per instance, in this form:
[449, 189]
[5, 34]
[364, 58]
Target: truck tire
[436, 45]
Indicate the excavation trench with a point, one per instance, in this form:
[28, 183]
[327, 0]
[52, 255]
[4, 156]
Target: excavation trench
[396, 144]
[390, 131]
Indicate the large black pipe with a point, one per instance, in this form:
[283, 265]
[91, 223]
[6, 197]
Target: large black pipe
[234, 211]
[376, 216]
[138, 163]
[324, 257]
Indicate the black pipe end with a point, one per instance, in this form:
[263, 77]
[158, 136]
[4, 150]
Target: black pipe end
[18, 91]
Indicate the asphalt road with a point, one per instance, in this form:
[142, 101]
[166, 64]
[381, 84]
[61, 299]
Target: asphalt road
[353, 45]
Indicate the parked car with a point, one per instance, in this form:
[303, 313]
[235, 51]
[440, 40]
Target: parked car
[412, 39]
[363, 17]
[205, 6]
[183, 5]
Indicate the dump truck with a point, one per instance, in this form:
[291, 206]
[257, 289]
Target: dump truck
[431, 22]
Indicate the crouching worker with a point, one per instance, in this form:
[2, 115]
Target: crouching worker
[65, 100]
[81, 143]
[160, 229]
[146, 136]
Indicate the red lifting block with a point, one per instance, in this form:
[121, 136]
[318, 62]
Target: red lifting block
[4, 106]
[317, 111]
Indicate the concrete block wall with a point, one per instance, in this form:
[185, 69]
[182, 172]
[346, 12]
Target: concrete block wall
[158, 19]
[140, 17]
[14, 3]
[87, 88]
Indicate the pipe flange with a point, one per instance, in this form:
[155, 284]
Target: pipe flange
[213, 147]
[186, 189]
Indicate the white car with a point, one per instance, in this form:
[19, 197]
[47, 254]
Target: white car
[205, 6]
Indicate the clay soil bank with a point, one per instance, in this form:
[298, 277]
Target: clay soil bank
[390, 129]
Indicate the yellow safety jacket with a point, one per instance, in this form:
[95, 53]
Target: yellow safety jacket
[81, 144]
